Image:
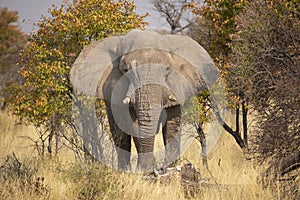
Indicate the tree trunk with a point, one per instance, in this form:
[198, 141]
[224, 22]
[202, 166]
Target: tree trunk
[237, 120]
[236, 135]
[202, 140]
[245, 123]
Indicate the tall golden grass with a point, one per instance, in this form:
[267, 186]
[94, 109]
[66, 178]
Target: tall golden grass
[230, 175]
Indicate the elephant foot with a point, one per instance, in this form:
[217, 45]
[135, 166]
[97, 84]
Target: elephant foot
[146, 162]
[123, 160]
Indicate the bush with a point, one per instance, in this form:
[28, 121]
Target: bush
[20, 180]
[93, 181]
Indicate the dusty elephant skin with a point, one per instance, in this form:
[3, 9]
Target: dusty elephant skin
[144, 78]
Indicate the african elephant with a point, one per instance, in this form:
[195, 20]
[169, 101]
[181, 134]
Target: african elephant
[144, 78]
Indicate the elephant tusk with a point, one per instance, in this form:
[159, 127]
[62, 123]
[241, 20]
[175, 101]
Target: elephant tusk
[126, 100]
[172, 98]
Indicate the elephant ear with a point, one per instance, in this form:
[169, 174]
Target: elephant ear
[193, 69]
[96, 63]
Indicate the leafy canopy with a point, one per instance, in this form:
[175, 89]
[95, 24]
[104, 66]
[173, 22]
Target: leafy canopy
[50, 52]
[11, 41]
[11, 38]
[219, 16]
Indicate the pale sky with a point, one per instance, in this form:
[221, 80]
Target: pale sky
[30, 11]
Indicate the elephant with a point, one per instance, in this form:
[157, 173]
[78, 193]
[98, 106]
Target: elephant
[144, 78]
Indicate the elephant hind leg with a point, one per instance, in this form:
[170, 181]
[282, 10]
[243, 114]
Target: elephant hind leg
[171, 134]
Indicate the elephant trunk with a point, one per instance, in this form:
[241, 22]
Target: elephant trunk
[148, 107]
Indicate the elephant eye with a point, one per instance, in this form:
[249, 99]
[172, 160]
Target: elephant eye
[125, 70]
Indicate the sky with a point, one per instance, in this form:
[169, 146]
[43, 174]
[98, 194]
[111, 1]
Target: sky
[30, 11]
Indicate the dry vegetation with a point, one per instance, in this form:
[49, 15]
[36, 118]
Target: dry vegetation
[231, 176]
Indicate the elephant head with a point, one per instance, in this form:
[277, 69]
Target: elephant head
[146, 71]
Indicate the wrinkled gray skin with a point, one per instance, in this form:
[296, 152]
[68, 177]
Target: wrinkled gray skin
[149, 83]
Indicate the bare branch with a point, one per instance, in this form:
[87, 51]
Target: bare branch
[174, 12]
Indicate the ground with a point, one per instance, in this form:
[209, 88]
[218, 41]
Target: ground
[230, 174]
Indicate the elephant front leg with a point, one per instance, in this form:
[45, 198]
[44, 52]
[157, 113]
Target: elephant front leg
[171, 134]
[121, 140]
[123, 145]
[145, 146]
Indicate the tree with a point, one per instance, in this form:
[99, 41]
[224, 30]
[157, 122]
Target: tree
[11, 38]
[45, 96]
[216, 24]
[198, 112]
[11, 41]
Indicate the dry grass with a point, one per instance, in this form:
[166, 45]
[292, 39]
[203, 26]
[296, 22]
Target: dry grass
[15, 137]
[231, 176]
[236, 176]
